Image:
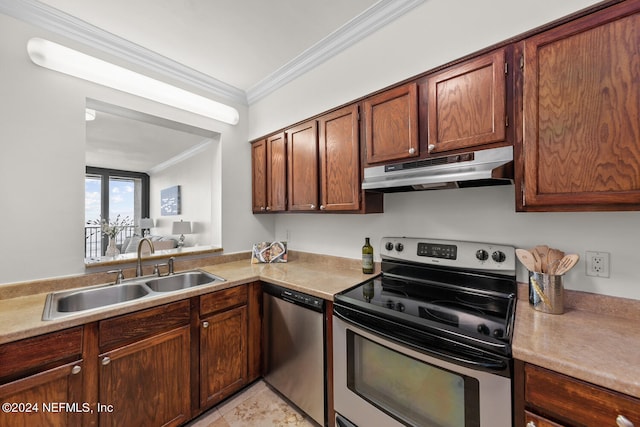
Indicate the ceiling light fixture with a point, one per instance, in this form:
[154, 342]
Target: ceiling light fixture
[89, 114]
[68, 61]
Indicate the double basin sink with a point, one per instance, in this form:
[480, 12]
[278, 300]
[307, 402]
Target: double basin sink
[65, 303]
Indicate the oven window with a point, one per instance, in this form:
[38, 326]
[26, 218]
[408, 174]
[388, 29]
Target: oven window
[410, 390]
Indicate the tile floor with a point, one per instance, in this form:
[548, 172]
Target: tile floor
[256, 406]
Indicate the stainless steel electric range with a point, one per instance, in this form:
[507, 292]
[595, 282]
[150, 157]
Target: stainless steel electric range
[428, 342]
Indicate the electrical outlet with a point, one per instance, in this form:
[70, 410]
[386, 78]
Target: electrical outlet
[597, 264]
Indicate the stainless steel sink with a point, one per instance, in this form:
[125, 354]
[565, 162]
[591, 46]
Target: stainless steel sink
[94, 298]
[66, 303]
[180, 281]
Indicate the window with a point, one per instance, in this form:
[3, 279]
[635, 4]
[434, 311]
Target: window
[111, 193]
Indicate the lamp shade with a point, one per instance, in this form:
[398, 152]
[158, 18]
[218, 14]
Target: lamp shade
[146, 223]
[181, 227]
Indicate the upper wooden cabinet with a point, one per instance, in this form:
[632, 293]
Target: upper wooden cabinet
[302, 157]
[323, 167]
[259, 175]
[340, 160]
[269, 174]
[466, 104]
[391, 124]
[581, 117]
[277, 172]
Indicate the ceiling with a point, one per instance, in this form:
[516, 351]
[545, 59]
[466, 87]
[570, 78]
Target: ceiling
[239, 42]
[240, 50]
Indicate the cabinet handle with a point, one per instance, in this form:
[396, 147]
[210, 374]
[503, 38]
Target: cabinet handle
[205, 324]
[430, 148]
[262, 208]
[76, 369]
[531, 424]
[106, 360]
[268, 208]
[322, 207]
[623, 421]
[412, 150]
[312, 206]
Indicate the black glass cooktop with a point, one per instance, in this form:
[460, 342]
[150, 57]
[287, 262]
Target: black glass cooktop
[477, 306]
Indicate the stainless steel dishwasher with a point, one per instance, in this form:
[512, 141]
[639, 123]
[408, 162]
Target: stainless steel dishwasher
[294, 339]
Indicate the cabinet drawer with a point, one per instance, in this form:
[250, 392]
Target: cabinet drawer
[578, 402]
[140, 324]
[38, 353]
[223, 300]
[533, 420]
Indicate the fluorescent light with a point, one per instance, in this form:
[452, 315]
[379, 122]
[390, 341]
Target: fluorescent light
[68, 61]
[89, 114]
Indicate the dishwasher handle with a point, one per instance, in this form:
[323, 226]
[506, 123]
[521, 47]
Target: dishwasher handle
[294, 297]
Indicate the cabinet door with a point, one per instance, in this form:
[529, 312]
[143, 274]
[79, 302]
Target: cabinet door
[467, 104]
[277, 173]
[340, 160]
[223, 355]
[391, 120]
[259, 175]
[43, 398]
[302, 157]
[581, 113]
[147, 383]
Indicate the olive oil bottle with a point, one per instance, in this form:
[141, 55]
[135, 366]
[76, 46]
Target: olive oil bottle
[367, 257]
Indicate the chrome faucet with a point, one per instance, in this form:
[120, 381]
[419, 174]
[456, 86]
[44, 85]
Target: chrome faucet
[139, 262]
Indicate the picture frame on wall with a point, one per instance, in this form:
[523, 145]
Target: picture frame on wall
[170, 201]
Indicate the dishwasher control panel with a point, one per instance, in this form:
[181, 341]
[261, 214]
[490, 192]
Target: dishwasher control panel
[294, 297]
[301, 298]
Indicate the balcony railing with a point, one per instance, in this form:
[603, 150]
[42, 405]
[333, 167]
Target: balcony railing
[95, 242]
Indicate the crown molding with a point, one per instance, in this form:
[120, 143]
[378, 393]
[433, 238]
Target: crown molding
[51, 19]
[368, 22]
[196, 149]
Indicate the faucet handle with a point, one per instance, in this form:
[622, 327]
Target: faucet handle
[170, 262]
[119, 277]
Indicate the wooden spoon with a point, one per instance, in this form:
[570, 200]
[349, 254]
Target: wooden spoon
[526, 258]
[543, 253]
[553, 258]
[537, 261]
[566, 264]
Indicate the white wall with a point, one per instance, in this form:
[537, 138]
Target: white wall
[194, 175]
[435, 33]
[42, 140]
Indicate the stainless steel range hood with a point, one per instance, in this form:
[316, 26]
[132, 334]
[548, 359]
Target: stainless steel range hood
[474, 169]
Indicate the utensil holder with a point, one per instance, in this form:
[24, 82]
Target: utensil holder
[546, 292]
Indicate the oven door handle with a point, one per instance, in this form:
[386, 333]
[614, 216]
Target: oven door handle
[489, 364]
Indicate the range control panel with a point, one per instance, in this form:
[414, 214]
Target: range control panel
[450, 253]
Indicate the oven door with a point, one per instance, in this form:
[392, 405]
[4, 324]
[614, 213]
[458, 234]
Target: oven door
[380, 382]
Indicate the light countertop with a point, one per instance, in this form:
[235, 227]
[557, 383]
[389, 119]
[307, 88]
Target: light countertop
[600, 348]
[595, 344]
[21, 317]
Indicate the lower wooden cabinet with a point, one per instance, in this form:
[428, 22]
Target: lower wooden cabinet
[223, 355]
[41, 380]
[144, 367]
[551, 399]
[41, 399]
[533, 420]
[160, 366]
[144, 383]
